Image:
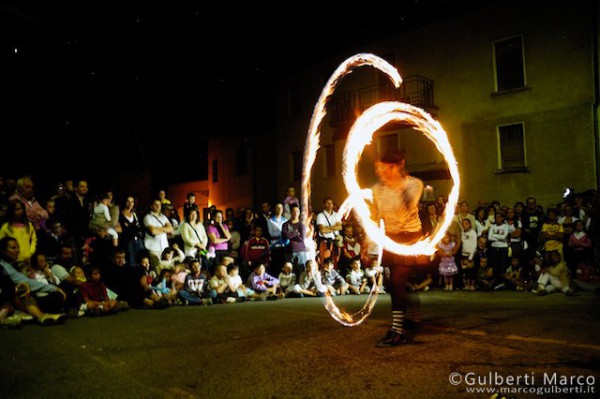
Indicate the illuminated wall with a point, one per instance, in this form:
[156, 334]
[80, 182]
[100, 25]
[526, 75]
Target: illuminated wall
[226, 186]
[244, 169]
[177, 194]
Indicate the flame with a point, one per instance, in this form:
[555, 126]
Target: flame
[344, 318]
[313, 138]
[359, 136]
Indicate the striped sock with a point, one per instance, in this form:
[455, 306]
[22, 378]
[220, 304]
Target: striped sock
[398, 320]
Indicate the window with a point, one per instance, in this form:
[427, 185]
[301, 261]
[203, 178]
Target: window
[512, 148]
[215, 171]
[297, 158]
[509, 64]
[330, 160]
[241, 162]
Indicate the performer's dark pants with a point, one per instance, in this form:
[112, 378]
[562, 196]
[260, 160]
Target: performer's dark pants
[401, 267]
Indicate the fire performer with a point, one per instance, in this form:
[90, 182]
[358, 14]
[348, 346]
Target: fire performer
[395, 200]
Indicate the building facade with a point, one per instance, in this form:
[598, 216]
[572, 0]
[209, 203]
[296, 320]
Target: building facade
[515, 88]
[514, 84]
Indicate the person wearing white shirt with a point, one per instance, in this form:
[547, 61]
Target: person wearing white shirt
[499, 237]
[193, 234]
[274, 225]
[157, 227]
[468, 247]
[329, 224]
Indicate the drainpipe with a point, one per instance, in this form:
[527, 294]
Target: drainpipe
[596, 89]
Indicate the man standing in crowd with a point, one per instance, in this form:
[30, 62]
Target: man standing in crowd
[329, 224]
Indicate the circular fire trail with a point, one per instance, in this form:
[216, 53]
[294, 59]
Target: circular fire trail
[359, 136]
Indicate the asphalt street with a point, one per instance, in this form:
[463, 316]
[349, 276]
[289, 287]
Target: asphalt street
[292, 348]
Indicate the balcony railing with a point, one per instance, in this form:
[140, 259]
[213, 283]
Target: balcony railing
[344, 108]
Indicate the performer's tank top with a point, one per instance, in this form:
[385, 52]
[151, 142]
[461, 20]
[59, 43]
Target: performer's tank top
[398, 205]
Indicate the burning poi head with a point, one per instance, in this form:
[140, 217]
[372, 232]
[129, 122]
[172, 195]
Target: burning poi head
[360, 135]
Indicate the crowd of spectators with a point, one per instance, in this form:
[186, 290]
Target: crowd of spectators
[524, 247]
[77, 255]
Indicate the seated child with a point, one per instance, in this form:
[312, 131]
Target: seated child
[221, 288]
[178, 275]
[244, 293]
[148, 277]
[195, 287]
[149, 274]
[356, 279]
[263, 283]
[164, 287]
[420, 279]
[77, 302]
[513, 277]
[371, 274]
[333, 281]
[42, 269]
[78, 273]
[309, 281]
[95, 295]
[287, 278]
[485, 275]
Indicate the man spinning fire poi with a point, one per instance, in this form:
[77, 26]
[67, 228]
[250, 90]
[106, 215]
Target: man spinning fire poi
[395, 200]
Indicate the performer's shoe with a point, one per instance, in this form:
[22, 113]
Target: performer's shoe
[392, 338]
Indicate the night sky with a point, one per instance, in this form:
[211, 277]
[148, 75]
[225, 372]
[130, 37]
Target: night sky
[93, 87]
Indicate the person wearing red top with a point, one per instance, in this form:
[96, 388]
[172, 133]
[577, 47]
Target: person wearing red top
[349, 251]
[95, 295]
[256, 249]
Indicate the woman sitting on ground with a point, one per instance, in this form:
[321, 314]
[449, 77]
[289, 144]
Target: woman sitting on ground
[23, 300]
